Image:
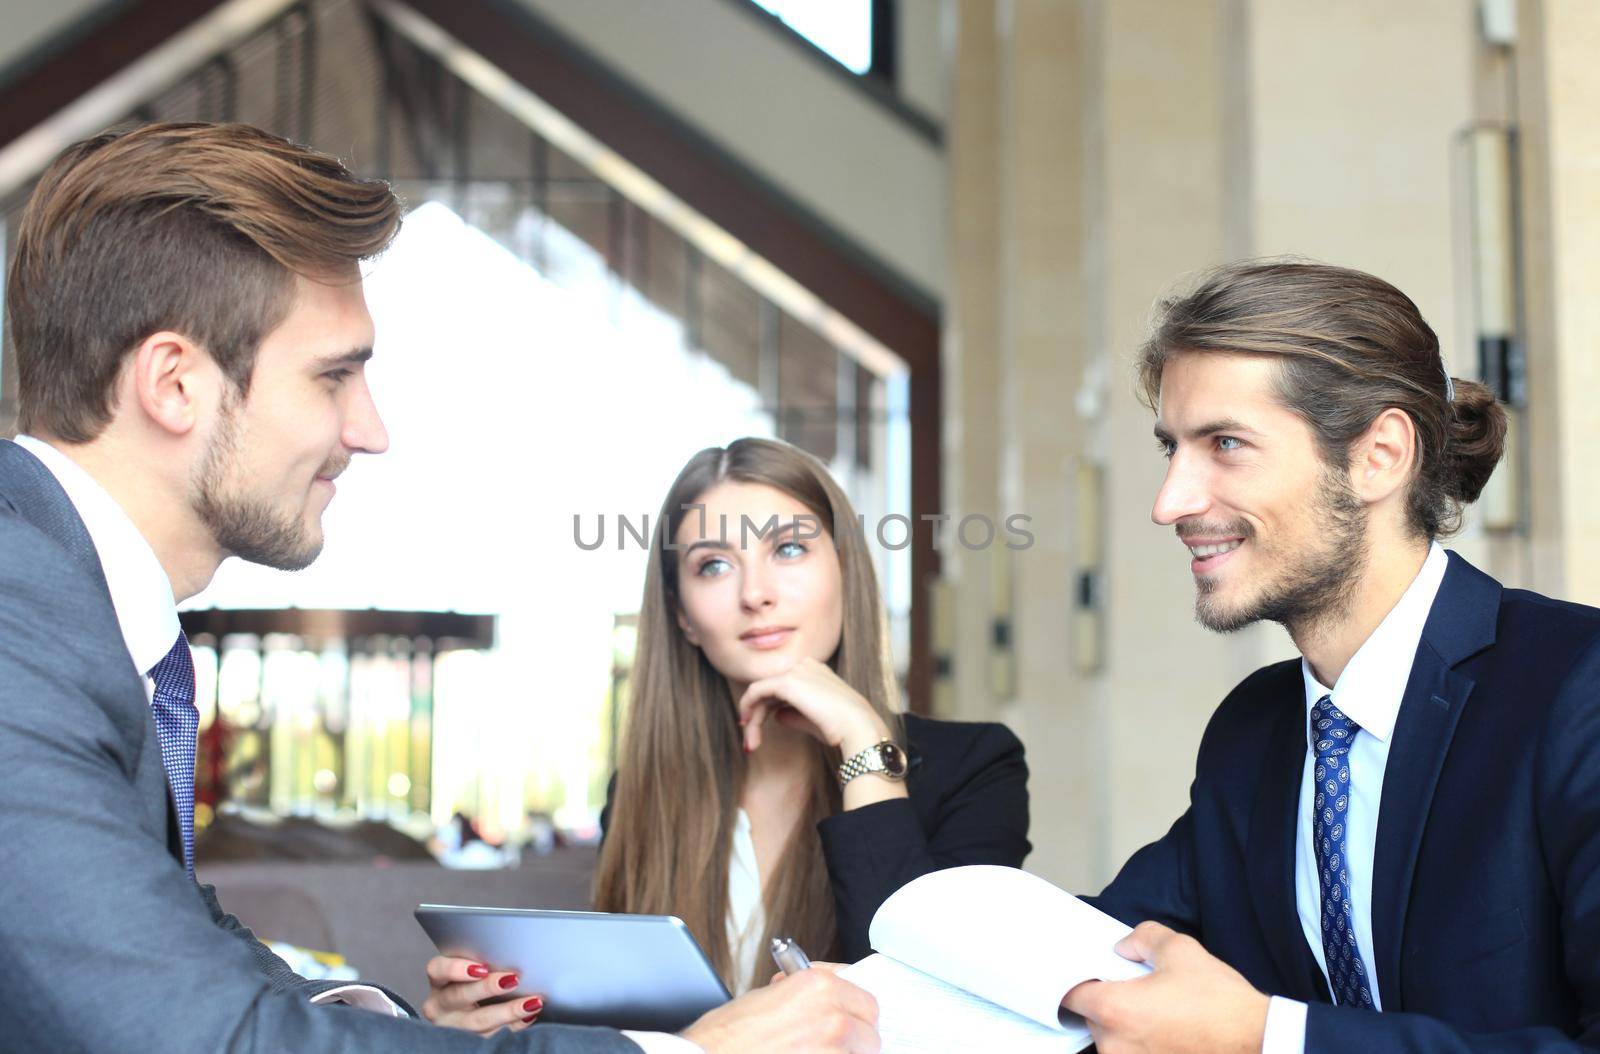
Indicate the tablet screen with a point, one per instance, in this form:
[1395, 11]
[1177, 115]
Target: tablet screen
[641, 972]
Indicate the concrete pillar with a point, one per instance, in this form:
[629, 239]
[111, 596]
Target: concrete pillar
[964, 610]
[1167, 119]
[1101, 151]
[1049, 49]
[1559, 89]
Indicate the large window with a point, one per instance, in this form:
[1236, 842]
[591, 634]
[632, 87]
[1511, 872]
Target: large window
[549, 353]
[842, 28]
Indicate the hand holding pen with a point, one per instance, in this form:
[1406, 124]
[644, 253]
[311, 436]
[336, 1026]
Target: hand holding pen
[790, 957]
[808, 1011]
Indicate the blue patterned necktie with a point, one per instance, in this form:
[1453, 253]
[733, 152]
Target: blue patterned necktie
[1331, 736]
[177, 724]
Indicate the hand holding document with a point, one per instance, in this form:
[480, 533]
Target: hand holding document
[978, 958]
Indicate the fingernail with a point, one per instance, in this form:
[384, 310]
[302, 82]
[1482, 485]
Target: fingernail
[530, 1020]
[533, 1006]
[508, 981]
[477, 970]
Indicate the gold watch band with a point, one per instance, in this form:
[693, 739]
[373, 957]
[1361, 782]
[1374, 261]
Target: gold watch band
[870, 760]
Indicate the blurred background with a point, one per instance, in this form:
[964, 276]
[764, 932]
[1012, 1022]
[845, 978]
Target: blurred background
[919, 238]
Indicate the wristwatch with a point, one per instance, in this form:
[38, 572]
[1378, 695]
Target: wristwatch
[884, 758]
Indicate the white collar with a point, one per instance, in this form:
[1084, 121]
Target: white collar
[1372, 684]
[140, 590]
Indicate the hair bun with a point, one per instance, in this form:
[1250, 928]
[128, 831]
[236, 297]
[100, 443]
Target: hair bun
[1477, 440]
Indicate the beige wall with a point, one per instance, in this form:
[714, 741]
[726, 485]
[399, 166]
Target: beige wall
[1559, 85]
[1101, 151]
[1044, 346]
[971, 453]
[1013, 315]
[1166, 108]
[1331, 181]
[1087, 172]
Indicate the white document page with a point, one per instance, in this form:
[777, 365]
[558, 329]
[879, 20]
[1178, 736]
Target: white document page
[920, 1014]
[1005, 936]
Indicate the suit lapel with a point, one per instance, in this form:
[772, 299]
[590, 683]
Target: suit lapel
[29, 488]
[1270, 854]
[1460, 624]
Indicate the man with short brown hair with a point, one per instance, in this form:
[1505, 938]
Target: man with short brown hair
[191, 334]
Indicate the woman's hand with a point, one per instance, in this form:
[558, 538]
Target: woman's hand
[460, 987]
[810, 697]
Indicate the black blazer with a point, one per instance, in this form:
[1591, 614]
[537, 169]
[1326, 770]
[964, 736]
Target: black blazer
[968, 804]
[1486, 883]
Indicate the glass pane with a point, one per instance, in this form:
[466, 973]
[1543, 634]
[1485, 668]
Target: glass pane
[842, 28]
[548, 355]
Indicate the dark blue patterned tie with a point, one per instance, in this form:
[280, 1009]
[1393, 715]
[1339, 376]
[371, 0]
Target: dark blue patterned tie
[1331, 736]
[177, 724]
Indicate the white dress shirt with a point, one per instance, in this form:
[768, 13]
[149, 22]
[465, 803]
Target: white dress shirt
[141, 593]
[1369, 693]
[747, 917]
[147, 614]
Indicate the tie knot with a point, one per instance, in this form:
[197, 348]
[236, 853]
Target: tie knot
[1331, 730]
[174, 674]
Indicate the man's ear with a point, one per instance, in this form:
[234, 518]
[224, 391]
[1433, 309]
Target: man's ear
[688, 629]
[172, 380]
[1384, 458]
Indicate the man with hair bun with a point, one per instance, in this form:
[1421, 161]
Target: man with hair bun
[1392, 842]
[185, 303]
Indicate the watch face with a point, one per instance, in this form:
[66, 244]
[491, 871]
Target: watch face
[894, 760]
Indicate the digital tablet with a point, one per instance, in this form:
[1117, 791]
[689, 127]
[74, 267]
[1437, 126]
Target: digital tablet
[642, 972]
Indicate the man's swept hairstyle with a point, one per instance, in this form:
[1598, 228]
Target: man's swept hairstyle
[1350, 345]
[195, 228]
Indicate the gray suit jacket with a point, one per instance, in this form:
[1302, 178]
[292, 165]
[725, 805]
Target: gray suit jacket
[107, 944]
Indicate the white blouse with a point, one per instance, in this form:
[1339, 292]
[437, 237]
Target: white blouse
[747, 918]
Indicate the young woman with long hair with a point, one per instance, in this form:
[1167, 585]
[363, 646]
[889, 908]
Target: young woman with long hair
[769, 784]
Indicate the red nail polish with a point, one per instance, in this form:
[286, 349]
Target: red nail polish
[533, 1006]
[530, 1020]
[477, 970]
[508, 981]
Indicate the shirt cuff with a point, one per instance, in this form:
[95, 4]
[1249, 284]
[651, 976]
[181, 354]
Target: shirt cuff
[361, 996]
[1286, 1027]
[662, 1043]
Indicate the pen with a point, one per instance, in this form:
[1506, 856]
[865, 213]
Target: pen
[789, 956]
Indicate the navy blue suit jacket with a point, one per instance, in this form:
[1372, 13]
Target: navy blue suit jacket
[1486, 876]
